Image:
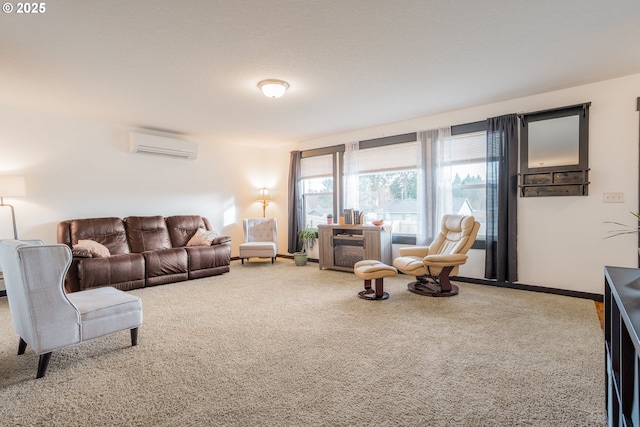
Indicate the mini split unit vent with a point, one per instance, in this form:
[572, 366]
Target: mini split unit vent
[141, 143]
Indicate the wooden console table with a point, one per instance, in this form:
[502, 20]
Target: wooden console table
[341, 246]
[622, 347]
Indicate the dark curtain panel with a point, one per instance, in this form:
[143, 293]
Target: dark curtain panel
[295, 203]
[501, 262]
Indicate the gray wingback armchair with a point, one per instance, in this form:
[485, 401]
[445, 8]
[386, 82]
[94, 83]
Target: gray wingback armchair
[48, 319]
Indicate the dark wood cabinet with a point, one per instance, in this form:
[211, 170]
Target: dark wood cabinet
[622, 347]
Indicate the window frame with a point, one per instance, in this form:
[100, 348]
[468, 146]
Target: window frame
[338, 167]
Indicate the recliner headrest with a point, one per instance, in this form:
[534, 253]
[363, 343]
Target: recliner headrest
[458, 223]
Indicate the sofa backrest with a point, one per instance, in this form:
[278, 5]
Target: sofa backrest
[147, 233]
[109, 232]
[183, 227]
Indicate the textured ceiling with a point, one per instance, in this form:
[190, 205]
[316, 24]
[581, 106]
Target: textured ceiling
[192, 66]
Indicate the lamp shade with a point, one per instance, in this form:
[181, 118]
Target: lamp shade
[12, 186]
[273, 88]
[263, 194]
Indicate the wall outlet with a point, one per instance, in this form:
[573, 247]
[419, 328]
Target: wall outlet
[613, 197]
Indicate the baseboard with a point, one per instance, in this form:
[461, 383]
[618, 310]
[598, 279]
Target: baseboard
[287, 256]
[532, 288]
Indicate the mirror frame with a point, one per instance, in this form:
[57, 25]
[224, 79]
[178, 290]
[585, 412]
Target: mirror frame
[580, 110]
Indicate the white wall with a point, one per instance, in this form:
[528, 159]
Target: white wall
[561, 239]
[76, 168]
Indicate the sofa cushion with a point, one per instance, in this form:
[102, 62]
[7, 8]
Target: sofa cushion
[207, 260]
[93, 248]
[123, 271]
[166, 266]
[183, 227]
[147, 233]
[109, 232]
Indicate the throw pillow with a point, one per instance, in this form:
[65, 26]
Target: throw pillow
[94, 248]
[202, 237]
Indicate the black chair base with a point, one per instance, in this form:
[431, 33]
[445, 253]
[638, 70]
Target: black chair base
[431, 289]
[370, 294]
[434, 286]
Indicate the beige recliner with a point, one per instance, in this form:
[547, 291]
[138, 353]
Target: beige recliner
[48, 319]
[433, 264]
[260, 239]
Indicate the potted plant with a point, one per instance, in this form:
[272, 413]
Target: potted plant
[307, 238]
[329, 218]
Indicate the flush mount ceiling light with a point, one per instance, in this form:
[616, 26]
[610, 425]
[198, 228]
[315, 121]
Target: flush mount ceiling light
[273, 88]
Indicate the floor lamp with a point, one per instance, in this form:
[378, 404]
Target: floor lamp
[11, 186]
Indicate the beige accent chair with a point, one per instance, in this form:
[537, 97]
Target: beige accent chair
[433, 264]
[260, 239]
[48, 319]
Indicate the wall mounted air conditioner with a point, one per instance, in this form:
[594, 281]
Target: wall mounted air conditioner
[142, 143]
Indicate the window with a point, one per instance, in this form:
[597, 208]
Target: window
[387, 180]
[469, 171]
[318, 170]
[388, 185]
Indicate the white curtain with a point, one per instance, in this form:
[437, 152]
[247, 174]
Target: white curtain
[434, 182]
[351, 174]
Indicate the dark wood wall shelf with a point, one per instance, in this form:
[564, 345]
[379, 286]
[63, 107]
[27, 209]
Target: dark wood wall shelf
[621, 326]
[561, 182]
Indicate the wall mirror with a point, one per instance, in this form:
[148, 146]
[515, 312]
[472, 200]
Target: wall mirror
[554, 152]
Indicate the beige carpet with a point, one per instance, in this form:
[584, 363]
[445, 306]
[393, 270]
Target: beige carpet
[281, 345]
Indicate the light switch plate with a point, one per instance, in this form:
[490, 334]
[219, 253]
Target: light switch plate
[613, 197]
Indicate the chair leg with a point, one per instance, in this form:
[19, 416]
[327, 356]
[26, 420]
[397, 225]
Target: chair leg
[273, 259]
[22, 346]
[134, 337]
[445, 284]
[242, 259]
[43, 364]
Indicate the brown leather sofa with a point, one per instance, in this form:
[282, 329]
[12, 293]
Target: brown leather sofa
[142, 251]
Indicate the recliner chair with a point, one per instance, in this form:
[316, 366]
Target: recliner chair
[433, 264]
[260, 239]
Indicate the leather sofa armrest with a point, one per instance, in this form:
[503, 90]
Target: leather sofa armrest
[221, 239]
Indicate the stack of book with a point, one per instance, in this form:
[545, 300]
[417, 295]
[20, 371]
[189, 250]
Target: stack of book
[351, 216]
